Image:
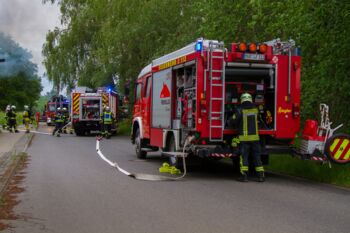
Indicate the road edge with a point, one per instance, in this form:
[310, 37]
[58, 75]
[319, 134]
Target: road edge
[303, 179]
[13, 158]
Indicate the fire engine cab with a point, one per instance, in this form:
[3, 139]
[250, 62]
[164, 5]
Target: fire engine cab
[87, 107]
[194, 91]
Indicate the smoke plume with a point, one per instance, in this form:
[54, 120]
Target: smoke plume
[17, 59]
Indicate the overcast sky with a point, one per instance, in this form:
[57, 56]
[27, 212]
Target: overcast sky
[27, 22]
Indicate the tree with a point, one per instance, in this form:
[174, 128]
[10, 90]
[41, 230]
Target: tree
[106, 41]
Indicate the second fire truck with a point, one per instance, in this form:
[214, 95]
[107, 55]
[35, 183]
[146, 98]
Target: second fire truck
[87, 107]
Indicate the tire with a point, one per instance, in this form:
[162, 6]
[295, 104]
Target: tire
[78, 132]
[235, 165]
[138, 145]
[338, 149]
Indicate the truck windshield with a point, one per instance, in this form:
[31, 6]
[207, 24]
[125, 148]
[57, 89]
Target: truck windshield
[52, 107]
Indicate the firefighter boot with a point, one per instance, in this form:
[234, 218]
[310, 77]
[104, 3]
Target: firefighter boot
[174, 170]
[164, 168]
[261, 176]
[243, 177]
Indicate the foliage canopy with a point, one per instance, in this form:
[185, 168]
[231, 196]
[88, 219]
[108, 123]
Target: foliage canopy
[106, 41]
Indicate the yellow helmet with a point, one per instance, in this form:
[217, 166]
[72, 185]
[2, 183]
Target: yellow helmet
[246, 97]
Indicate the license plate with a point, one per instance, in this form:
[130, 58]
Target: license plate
[95, 131]
[254, 56]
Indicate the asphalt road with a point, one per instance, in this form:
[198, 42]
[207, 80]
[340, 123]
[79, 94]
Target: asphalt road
[69, 189]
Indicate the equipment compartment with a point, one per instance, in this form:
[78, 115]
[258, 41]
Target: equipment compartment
[260, 84]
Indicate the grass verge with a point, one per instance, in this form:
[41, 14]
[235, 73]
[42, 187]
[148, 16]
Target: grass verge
[337, 174]
[124, 127]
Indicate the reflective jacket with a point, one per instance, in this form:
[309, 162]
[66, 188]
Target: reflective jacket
[246, 116]
[59, 118]
[107, 117]
[26, 114]
[11, 115]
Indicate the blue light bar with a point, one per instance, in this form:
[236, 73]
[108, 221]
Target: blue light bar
[199, 45]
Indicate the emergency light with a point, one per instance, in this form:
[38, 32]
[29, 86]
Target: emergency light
[199, 45]
[263, 48]
[252, 47]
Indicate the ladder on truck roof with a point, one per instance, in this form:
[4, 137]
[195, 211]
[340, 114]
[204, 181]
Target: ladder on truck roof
[216, 66]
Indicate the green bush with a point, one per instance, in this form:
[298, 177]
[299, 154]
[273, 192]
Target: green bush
[124, 127]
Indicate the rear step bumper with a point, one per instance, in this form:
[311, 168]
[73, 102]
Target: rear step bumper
[217, 152]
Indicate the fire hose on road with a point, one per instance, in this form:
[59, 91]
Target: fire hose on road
[142, 176]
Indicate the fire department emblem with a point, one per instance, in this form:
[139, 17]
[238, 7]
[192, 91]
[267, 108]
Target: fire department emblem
[165, 93]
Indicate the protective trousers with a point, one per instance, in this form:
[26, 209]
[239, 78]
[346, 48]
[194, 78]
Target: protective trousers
[253, 148]
[107, 127]
[58, 127]
[12, 124]
[26, 123]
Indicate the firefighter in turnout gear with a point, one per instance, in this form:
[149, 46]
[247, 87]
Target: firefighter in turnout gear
[246, 117]
[26, 118]
[107, 120]
[11, 116]
[59, 120]
[66, 118]
[6, 124]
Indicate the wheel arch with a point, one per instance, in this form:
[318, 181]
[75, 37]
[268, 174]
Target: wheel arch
[137, 124]
[167, 134]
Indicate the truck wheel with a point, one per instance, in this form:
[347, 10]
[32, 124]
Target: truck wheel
[337, 148]
[138, 145]
[78, 132]
[178, 161]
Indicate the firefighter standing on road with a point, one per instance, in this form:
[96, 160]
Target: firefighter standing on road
[6, 124]
[246, 117]
[66, 117]
[107, 119]
[59, 120]
[26, 118]
[37, 119]
[11, 116]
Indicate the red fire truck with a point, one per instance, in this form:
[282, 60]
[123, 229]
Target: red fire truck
[194, 91]
[87, 107]
[51, 106]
